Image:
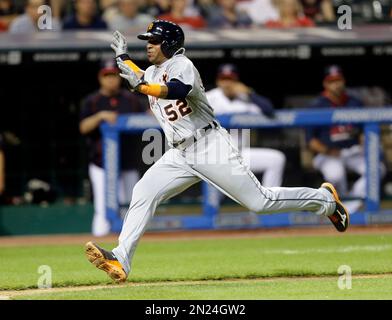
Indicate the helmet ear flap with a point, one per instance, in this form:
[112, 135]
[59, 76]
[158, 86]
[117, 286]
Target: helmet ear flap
[164, 49]
[168, 50]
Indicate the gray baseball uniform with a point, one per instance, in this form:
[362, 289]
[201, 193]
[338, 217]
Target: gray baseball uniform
[212, 158]
[179, 119]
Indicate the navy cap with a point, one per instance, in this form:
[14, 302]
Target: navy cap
[108, 67]
[228, 71]
[333, 72]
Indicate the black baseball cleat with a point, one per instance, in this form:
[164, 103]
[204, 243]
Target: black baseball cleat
[340, 218]
[106, 261]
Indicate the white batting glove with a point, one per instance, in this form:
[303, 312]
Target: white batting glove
[128, 74]
[119, 44]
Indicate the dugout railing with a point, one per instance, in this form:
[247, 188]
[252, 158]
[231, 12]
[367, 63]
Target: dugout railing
[370, 119]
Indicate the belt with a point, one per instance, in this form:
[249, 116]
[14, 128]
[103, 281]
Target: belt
[193, 139]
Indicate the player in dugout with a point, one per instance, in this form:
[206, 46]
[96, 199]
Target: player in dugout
[233, 96]
[339, 148]
[104, 106]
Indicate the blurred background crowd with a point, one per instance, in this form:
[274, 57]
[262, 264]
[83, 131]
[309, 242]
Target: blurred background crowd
[19, 16]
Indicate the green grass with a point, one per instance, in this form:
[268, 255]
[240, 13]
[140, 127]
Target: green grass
[215, 259]
[243, 289]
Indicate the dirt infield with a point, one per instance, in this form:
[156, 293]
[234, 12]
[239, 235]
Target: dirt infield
[195, 234]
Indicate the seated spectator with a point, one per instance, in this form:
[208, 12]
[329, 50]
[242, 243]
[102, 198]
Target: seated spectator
[290, 16]
[7, 14]
[320, 11]
[233, 96]
[205, 7]
[109, 9]
[260, 11]
[85, 17]
[227, 14]
[128, 16]
[177, 15]
[193, 8]
[59, 8]
[28, 22]
[155, 7]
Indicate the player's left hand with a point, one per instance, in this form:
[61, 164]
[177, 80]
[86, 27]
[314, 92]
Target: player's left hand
[240, 89]
[128, 74]
[119, 43]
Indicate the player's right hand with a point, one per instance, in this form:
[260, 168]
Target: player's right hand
[119, 43]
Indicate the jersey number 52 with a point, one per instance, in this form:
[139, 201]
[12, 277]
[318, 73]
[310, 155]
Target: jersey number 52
[181, 109]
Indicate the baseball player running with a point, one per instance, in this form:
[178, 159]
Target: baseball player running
[200, 150]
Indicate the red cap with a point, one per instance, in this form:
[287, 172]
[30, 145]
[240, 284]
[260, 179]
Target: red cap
[333, 73]
[108, 67]
[228, 71]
